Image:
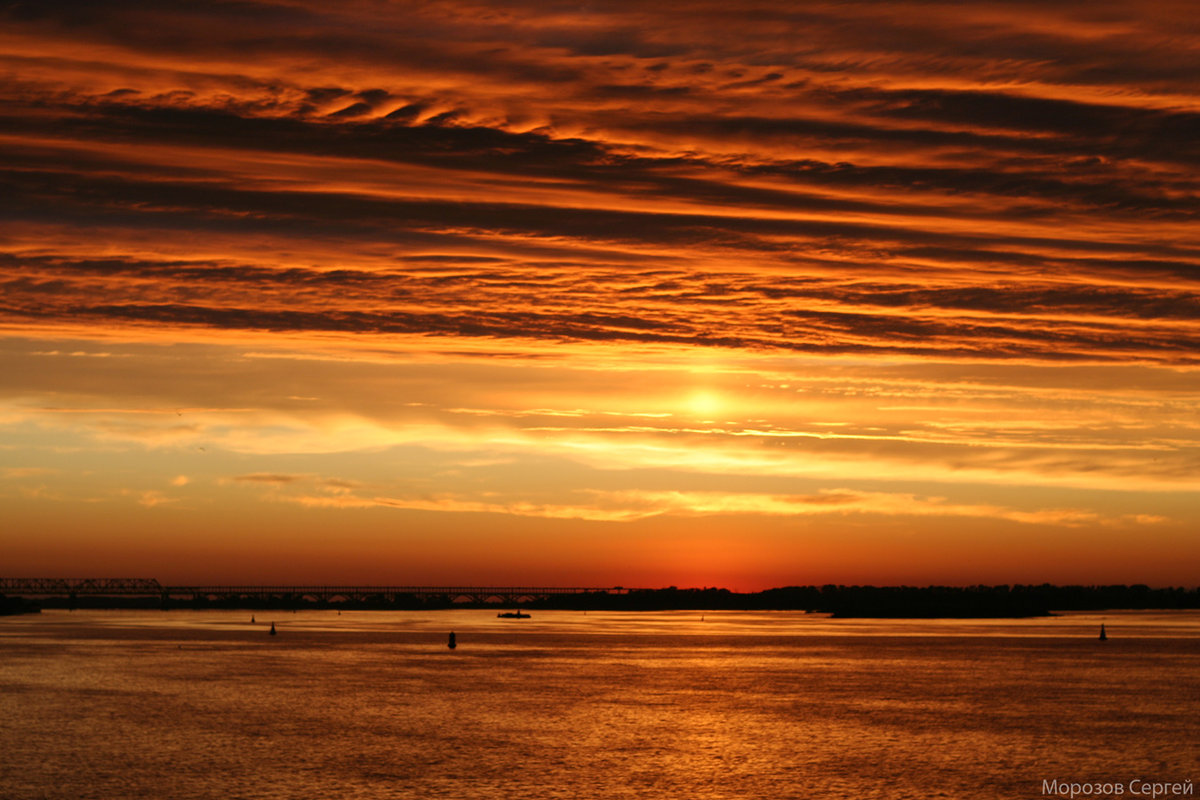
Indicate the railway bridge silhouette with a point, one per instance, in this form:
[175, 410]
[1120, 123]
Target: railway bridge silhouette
[259, 593]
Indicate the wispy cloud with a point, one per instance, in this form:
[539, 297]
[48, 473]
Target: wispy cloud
[269, 478]
[629, 506]
[932, 188]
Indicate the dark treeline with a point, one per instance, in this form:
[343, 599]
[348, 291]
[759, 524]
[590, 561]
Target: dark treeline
[840, 601]
[897, 601]
[17, 605]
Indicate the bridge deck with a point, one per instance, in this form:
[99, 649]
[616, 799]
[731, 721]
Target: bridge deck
[109, 587]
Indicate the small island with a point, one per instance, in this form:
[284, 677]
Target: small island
[11, 606]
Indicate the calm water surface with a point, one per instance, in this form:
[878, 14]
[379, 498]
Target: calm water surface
[370, 705]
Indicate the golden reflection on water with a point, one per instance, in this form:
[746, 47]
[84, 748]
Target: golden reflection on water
[1122, 624]
[373, 704]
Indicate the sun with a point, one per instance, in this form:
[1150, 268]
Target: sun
[704, 403]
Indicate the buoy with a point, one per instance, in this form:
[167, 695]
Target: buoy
[251, 619]
[452, 643]
[272, 631]
[1103, 635]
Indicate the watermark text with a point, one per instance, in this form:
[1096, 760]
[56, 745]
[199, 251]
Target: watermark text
[1135, 788]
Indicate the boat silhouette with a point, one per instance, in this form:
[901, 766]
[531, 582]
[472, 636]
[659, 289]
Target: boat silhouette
[272, 631]
[518, 614]
[1103, 635]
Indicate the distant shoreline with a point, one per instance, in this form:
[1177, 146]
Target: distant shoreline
[841, 602]
[12, 606]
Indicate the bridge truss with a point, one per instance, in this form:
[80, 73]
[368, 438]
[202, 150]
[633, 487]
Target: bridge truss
[113, 587]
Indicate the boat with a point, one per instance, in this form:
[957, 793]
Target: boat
[512, 615]
[272, 631]
[453, 643]
[1103, 635]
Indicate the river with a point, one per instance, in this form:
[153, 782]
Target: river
[694, 705]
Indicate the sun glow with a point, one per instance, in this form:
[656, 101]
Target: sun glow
[704, 403]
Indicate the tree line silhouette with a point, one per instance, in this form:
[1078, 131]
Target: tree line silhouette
[839, 600]
[898, 601]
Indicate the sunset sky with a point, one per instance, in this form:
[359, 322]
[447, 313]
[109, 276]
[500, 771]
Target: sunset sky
[739, 294]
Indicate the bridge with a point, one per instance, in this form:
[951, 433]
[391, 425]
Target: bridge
[148, 587]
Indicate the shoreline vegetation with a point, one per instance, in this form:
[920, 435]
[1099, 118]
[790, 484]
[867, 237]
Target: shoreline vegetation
[883, 602]
[11, 606]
